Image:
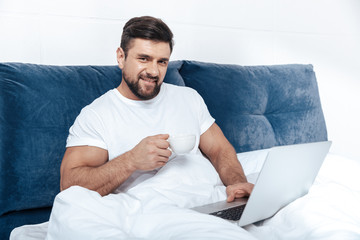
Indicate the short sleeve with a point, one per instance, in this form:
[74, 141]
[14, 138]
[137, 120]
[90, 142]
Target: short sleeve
[87, 130]
[205, 118]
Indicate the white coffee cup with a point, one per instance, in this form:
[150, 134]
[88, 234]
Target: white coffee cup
[182, 144]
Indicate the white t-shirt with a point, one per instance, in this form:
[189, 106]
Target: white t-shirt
[117, 124]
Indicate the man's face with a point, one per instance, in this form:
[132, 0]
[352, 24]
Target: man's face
[144, 68]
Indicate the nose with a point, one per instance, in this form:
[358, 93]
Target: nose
[153, 69]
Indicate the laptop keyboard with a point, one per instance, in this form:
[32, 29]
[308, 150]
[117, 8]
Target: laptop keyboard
[233, 214]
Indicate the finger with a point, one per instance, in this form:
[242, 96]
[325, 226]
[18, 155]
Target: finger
[238, 190]
[231, 197]
[237, 194]
[164, 153]
[163, 144]
[240, 194]
[160, 164]
[162, 136]
[244, 187]
[162, 159]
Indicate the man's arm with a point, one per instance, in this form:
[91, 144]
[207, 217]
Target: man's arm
[89, 167]
[222, 155]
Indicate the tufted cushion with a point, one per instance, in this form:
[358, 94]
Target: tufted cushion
[38, 105]
[260, 106]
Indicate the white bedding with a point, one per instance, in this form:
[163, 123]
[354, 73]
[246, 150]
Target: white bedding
[158, 207]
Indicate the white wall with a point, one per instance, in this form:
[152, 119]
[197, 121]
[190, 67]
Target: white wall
[325, 33]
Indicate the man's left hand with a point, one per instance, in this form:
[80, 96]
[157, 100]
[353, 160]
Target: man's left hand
[238, 190]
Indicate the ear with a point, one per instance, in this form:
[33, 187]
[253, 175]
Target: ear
[120, 56]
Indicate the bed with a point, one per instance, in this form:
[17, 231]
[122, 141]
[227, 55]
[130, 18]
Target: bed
[257, 107]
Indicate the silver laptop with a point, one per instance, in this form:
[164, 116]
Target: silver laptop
[287, 174]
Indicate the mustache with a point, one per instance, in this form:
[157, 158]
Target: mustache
[148, 76]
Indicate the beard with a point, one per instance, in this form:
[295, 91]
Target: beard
[143, 92]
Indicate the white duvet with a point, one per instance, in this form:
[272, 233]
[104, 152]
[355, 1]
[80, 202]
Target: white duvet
[158, 207]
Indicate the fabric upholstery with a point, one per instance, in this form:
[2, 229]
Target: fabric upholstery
[260, 106]
[39, 104]
[173, 75]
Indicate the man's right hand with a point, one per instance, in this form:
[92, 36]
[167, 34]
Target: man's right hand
[150, 153]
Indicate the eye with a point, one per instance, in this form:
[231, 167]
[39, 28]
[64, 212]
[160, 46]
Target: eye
[163, 62]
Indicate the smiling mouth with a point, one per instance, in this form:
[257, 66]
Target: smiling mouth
[149, 79]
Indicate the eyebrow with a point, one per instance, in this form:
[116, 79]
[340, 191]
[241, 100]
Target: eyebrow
[147, 56]
[143, 56]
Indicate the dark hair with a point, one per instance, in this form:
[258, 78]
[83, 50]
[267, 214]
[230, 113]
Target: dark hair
[145, 27]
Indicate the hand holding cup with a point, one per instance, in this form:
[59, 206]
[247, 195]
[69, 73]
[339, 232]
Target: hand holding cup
[182, 144]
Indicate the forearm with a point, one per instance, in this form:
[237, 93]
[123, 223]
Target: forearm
[222, 155]
[104, 179]
[228, 166]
